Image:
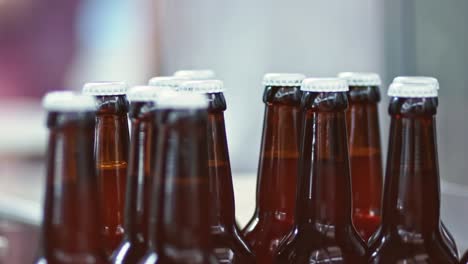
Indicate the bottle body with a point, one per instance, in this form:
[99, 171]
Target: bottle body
[323, 230]
[180, 216]
[411, 227]
[139, 183]
[229, 246]
[70, 229]
[277, 172]
[111, 152]
[365, 158]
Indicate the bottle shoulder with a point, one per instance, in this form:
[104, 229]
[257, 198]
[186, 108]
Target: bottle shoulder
[315, 247]
[409, 248]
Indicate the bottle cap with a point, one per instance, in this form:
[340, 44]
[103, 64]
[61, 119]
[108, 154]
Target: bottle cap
[324, 85]
[145, 93]
[412, 90]
[105, 88]
[361, 78]
[67, 101]
[417, 80]
[196, 74]
[182, 100]
[208, 86]
[167, 81]
[283, 79]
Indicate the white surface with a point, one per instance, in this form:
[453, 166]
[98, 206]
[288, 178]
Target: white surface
[196, 74]
[105, 88]
[324, 85]
[283, 79]
[414, 90]
[67, 101]
[167, 81]
[206, 86]
[23, 129]
[361, 78]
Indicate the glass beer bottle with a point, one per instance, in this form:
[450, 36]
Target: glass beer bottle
[179, 227]
[411, 229]
[323, 231]
[70, 226]
[277, 172]
[111, 154]
[435, 83]
[365, 158]
[229, 246]
[139, 183]
[196, 74]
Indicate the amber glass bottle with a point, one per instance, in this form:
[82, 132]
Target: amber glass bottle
[70, 226]
[323, 231]
[140, 173]
[180, 231]
[411, 230]
[435, 83]
[111, 153]
[277, 172]
[365, 158]
[229, 246]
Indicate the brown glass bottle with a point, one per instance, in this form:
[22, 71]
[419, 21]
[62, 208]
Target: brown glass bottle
[362, 119]
[229, 246]
[277, 172]
[435, 83]
[111, 153]
[70, 229]
[138, 196]
[179, 227]
[323, 231]
[410, 230]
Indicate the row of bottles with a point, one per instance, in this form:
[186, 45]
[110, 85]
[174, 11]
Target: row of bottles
[165, 195]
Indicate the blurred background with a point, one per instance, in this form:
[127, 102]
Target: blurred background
[55, 44]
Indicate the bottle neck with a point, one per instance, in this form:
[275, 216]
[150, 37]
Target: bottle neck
[324, 183]
[362, 119]
[412, 193]
[142, 150]
[70, 225]
[183, 184]
[219, 169]
[279, 153]
[112, 134]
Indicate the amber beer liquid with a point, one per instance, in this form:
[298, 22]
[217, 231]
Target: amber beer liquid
[229, 246]
[140, 174]
[365, 158]
[277, 172]
[70, 229]
[410, 231]
[323, 231]
[111, 153]
[180, 229]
